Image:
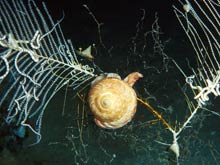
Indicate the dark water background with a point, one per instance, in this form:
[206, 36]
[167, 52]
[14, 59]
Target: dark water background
[67, 139]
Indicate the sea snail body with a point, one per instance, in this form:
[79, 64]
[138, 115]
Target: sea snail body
[113, 101]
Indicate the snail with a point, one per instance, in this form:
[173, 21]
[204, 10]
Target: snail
[113, 101]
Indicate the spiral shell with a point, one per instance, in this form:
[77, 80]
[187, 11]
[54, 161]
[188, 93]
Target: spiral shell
[113, 102]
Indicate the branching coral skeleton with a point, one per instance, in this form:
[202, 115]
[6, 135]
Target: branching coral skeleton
[206, 45]
[36, 61]
[208, 80]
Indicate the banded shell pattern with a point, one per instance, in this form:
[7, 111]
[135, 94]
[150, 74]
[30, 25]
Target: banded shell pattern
[113, 102]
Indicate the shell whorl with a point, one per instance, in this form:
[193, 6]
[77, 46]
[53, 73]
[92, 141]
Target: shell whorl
[113, 103]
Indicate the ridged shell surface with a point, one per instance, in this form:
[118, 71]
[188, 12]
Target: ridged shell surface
[113, 103]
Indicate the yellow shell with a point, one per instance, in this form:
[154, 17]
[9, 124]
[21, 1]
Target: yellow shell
[113, 103]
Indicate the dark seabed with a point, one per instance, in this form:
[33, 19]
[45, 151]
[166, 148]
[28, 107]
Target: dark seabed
[69, 134]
